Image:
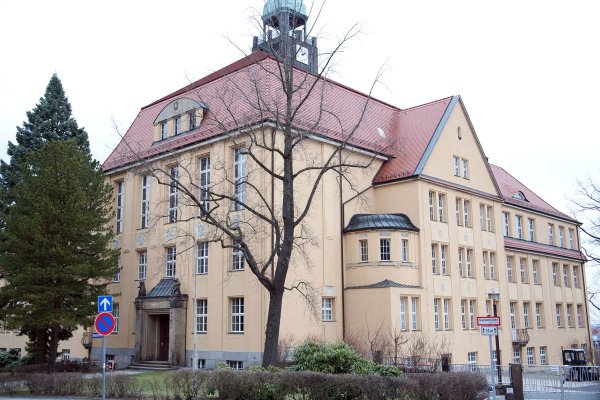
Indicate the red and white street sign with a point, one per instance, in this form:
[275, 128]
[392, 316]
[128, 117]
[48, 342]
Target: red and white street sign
[488, 321]
[105, 323]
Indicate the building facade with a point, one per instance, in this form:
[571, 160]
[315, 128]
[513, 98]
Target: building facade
[418, 242]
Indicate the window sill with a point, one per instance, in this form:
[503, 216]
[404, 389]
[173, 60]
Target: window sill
[328, 320]
[235, 270]
[201, 273]
[199, 333]
[235, 333]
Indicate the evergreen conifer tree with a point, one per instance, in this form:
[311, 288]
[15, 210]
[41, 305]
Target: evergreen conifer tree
[56, 254]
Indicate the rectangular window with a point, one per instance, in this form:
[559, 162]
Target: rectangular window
[443, 252]
[461, 252]
[512, 315]
[472, 314]
[523, 270]
[201, 363]
[204, 184]
[531, 356]
[441, 203]
[235, 365]
[446, 314]
[403, 313]
[519, 225]
[192, 120]
[575, 276]
[145, 202]
[472, 358]
[531, 224]
[173, 200]
[404, 244]
[142, 264]
[163, 130]
[484, 265]
[551, 234]
[566, 280]
[458, 211]
[463, 314]
[327, 309]
[466, 207]
[432, 206]
[535, 266]
[364, 250]
[120, 207]
[539, 319]
[555, 274]
[517, 355]
[570, 315]
[115, 313]
[465, 168]
[66, 354]
[456, 165]
[117, 275]
[571, 239]
[559, 322]
[489, 219]
[202, 258]
[201, 315]
[561, 236]
[237, 314]
[237, 259]
[436, 314]
[579, 316]
[177, 125]
[469, 263]
[385, 249]
[171, 261]
[543, 359]
[506, 224]
[239, 175]
[414, 322]
[509, 268]
[434, 250]
[492, 265]
[525, 315]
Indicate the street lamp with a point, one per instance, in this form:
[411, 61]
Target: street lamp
[496, 296]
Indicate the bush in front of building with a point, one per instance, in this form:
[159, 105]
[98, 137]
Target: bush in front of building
[336, 358]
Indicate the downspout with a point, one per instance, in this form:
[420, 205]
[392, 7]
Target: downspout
[587, 310]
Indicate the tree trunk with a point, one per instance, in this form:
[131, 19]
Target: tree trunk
[54, 331]
[271, 348]
[40, 343]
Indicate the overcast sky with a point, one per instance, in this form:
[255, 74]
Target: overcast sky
[528, 71]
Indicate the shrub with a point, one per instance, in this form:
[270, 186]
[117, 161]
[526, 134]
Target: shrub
[62, 384]
[338, 358]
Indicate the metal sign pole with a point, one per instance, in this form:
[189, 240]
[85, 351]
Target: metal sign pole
[103, 367]
[492, 370]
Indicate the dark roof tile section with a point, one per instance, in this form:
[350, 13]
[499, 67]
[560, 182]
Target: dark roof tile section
[366, 222]
[163, 289]
[509, 186]
[385, 284]
[541, 248]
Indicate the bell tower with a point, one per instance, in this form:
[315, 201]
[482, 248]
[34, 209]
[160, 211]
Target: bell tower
[284, 34]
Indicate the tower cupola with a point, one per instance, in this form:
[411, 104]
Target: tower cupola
[284, 34]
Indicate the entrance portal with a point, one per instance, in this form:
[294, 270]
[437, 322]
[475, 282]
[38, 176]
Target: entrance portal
[163, 337]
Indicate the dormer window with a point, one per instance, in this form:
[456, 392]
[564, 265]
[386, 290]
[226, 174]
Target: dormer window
[520, 196]
[178, 117]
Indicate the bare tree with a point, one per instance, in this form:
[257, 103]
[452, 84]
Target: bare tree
[290, 135]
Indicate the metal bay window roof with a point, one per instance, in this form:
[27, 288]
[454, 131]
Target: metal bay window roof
[367, 222]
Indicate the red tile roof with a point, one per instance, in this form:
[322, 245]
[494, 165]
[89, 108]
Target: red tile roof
[332, 111]
[516, 244]
[509, 186]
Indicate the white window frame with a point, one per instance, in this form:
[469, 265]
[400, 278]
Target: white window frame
[506, 224]
[561, 236]
[363, 249]
[512, 314]
[235, 365]
[237, 314]
[202, 258]
[536, 271]
[551, 234]
[460, 262]
[492, 265]
[484, 264]
[327, 309]
[539, 315]
[120, 207]
[145, 201]
[171, 261]
[436, 314]
[579, 311]
[469, 263]
[443, 252]
[204, 166]
[116, 311]
[465, 168]
[142, 264]
[519, 225]
[441, 203]
[404, 248]
[509, 269]
[414, 323]
[192, 120]
[531, 223]
[385, 249]
[239, 176]
[466, 206]
[238, 261]
[432, 206]
[523, 270]
[472, 307]
[570, 315]
[530, 356]
[566, 275]
[456, 165]
[434, 251]
[403, 314]
[177, 125]
[571, 239]
[163, 130]
[201, 316]
[526, 314]
[173, 193]
[543, 357]
[446, 311]
[489, 219]
[559, 322]
[576, 276]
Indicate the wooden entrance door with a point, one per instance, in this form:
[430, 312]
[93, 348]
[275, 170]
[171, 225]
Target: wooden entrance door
[163, 337]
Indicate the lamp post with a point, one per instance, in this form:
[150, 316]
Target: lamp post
[496, 296]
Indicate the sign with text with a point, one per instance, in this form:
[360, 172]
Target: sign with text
[489, 330]
[488, 321]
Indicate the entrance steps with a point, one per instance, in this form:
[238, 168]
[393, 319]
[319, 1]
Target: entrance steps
[153, 366]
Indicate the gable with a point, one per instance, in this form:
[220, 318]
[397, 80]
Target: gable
[458, 145]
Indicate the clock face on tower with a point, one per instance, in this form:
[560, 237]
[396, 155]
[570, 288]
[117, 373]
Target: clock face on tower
[301, 54]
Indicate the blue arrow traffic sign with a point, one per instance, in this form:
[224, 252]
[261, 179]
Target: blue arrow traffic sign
[105, 303]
